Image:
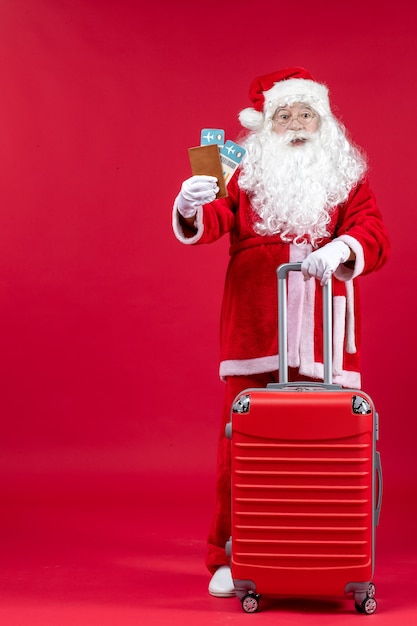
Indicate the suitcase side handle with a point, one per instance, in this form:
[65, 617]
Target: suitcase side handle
[282, 273]
[378, 469]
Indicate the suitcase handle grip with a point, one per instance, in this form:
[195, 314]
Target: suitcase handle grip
[378, 468]
[282, 272]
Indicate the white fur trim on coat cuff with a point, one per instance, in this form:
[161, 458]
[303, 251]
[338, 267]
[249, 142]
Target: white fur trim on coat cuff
[344, 272]
[178, 228]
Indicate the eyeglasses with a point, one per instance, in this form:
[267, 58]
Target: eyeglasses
[284, 119]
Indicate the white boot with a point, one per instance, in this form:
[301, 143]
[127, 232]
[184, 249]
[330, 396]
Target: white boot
[221, 583]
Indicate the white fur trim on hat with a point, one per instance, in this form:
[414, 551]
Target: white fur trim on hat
[307, 90]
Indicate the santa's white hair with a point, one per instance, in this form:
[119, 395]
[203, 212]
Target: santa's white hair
[293, 189]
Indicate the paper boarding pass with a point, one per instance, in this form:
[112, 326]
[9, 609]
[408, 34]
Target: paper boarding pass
[231, 155]
[212, 135]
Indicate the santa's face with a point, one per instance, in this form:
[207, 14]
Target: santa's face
[296, 117]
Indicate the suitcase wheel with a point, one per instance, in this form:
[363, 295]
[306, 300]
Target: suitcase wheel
[371, 591]
[250, 602]
[368, 606]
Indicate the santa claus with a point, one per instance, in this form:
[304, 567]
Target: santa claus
[301, 195]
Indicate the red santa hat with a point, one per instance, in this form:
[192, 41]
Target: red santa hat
[293, 84]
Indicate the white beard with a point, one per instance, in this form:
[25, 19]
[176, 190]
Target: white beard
[293, 189]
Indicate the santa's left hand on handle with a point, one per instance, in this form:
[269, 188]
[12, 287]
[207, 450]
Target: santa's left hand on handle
[322, 263]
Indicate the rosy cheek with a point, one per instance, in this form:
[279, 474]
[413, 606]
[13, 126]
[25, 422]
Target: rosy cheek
[279, 130]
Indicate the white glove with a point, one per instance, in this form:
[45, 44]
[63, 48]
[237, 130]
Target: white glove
[196, 191]
[323, 262]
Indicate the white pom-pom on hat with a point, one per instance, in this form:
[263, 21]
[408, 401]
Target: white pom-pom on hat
[250, 118]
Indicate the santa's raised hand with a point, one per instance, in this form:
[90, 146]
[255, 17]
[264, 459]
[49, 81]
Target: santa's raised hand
[195, 192]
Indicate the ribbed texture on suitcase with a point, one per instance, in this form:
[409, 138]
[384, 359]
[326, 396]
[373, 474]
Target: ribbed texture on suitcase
[302, 505]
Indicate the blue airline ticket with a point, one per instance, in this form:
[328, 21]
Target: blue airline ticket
[212, 136]
[231, 155]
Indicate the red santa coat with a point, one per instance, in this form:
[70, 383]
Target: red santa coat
[249, 328]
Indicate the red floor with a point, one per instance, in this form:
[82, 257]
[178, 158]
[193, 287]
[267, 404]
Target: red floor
[127, 551]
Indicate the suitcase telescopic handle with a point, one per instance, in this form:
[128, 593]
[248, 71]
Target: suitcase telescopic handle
[282, 273]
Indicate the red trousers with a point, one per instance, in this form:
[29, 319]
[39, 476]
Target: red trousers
[220, 529]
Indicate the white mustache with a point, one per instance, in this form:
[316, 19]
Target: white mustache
[294, 135]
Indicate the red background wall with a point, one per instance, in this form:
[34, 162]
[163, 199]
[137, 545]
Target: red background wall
[108, 326]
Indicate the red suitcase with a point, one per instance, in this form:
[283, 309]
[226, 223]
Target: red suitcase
[306, 484]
